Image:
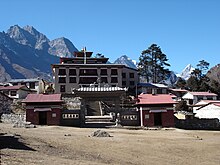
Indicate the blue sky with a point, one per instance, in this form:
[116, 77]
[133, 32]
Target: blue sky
[186, 30]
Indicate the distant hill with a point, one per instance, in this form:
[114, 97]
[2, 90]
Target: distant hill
[27, 53]
[214, 73]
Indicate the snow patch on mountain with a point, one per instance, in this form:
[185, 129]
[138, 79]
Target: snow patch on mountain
[125, 60]
[186, 73]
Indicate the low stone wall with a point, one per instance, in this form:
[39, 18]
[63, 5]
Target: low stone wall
[18, 120]
[200, 124]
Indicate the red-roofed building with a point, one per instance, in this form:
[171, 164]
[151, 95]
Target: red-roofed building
[43, 109]
[156, 110]
[16, 92]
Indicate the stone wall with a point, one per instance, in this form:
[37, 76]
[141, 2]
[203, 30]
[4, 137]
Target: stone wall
[200, 124]
[18, 120]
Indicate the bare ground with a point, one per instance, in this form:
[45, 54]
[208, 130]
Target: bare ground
[70, 145]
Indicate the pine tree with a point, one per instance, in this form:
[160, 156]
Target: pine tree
[152, 64]
[198, 80]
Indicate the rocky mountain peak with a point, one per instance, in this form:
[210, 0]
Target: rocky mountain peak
[186, 73]
[62, 47]
[125, 60]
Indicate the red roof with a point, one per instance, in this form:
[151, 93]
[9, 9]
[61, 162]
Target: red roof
[33, 98]
[156, 99]
[203, 94]
[16, 87]
[217, 104]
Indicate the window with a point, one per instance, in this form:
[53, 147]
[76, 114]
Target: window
[13, 93]
[62, 88]
[54, 115]
[87, 80]
[72, 80]
[32, 85]
[72, 72]
[62, 72]
[88, 72]
[114, 71]
[124, 83]
[131, 82]
[62, 79]
[123, 75]
[104, 79]
[114, 80]
[103, 71]
[131, 75]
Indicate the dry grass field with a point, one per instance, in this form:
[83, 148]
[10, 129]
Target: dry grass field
[69, 145]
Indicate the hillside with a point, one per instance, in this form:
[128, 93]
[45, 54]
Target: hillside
[27, 53]
[214, 73]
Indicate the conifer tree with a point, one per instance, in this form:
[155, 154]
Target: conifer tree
[152, 63]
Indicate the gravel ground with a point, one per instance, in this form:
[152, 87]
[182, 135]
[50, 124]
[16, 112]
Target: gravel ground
[70, 145]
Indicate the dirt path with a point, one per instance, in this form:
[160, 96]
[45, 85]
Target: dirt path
[69, 145]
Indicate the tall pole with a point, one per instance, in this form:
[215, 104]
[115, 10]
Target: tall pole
[84, 50]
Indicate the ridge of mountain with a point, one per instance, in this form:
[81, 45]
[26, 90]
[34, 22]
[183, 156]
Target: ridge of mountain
[125, 60]
[214, 73]
[24, 50]
[186, 73]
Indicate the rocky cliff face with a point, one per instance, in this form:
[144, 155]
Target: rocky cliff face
[62, 47]
[27, 53]
[214, 73]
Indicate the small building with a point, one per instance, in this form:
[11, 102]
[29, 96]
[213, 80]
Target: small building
[16, 92]
[209, 111]
[43, 109]
[156, 109]
[35, 84]
[150, 88]
[194, 97]
[178, 92]
[5, 103]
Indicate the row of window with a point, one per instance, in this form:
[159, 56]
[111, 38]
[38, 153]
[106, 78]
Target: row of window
[31, 84]
[131, 83]
[72, 72]
[87, 80]
[131, 75]
[129, 117]
[11, 93]
[70, 116]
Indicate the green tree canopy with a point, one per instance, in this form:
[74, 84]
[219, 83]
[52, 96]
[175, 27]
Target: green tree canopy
[198, 80]
[152, 63]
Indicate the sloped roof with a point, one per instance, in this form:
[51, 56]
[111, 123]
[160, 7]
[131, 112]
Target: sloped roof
[156, 99]
[16, 87]
[179, 90]
[33, 98]
[24, 80]
[203, 94]
[152, 85]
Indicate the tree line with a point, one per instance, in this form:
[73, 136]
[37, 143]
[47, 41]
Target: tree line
[153, 67]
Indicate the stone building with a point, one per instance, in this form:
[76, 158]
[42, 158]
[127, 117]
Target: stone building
[85, 70]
